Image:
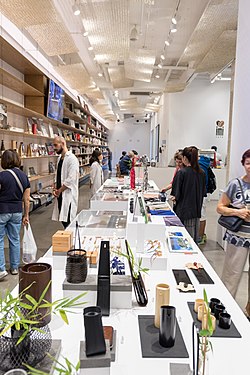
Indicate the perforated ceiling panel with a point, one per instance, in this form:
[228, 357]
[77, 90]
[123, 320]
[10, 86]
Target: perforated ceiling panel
[24, 13]
[42, 21]
[76, 76]
[218, 17]
[140, 65]
[107, 23]
[220, 54]
[60, 44]
[118, 79]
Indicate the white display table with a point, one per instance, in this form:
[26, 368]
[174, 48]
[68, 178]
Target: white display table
[229, 357]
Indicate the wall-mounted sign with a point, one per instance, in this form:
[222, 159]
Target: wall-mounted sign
[219, 128]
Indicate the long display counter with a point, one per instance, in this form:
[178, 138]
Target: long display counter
[230, 354]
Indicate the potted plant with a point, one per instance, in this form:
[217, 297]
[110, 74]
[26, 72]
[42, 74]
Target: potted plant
[22, 340]
[136, 269]
[204, 337]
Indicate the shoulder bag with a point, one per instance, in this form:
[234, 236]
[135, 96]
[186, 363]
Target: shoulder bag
[16, 178]
[232, 223]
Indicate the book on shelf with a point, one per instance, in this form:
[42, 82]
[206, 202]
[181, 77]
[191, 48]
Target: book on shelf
[51, 132]
[3, 116]
[50, 148]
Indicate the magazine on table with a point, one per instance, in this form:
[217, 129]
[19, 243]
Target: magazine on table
[178, 243]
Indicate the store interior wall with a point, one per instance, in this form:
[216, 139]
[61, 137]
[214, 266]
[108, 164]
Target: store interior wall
[128, 135]
[191, 116]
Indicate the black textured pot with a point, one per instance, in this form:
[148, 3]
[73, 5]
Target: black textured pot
[140, 291]
[76, 266]
[31, 350]
[167, 326]
[39, 275]
[94, 336]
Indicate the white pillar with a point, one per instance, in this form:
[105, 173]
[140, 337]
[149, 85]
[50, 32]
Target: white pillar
[240, 140]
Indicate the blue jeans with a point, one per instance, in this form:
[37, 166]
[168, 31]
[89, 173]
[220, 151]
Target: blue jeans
[10, 224]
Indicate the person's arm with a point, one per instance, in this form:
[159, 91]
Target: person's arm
[93, 171]
[223, 209]
[26, 204]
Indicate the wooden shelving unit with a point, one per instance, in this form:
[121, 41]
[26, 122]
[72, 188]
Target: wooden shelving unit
[33, 87]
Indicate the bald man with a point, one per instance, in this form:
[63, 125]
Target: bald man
[66, 185]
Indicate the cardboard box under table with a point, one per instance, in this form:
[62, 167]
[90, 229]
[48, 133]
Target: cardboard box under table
[62, 241]
[120, 291]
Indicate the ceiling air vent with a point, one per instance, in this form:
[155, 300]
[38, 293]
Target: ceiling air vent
[140, 93]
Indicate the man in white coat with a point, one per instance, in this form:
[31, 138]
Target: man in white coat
[66, 185]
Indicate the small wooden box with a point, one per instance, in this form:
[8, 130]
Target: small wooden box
[92, 255]
[62, 240]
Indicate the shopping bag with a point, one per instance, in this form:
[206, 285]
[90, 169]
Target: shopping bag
[29, 245]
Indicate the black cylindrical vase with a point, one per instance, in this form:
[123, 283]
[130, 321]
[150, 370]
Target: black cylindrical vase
[76, 266]
[140, 291]
[167, 326]
[37, 276]
[94, 336]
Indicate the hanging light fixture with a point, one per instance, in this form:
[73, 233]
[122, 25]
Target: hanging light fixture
[134, 34]
[76, 9]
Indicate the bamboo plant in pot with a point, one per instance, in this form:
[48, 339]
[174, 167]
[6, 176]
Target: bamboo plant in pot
[136, 270]
[23, 337]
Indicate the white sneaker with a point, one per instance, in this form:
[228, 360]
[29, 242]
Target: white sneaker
[3, 274]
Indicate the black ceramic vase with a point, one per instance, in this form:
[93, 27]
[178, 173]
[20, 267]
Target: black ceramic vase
[94, 336]
[103, 282]
[167, 326]
[37, 276]
[140, 290]
[76, 266]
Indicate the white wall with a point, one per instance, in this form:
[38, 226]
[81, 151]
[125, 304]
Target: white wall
[241, 104]
[193, 113]
[125, 136]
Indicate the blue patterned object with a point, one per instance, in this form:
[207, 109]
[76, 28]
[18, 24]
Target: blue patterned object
[117, 266]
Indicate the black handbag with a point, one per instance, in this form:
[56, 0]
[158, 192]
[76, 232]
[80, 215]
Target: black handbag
[233, 223]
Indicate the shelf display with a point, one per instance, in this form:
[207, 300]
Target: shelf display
[68, 119]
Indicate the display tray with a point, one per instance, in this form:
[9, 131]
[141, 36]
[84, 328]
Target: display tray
[105, 221]
[172, 221]
[114, 197]
[149, 336]
[202, 276]
[180, 369]
[181, 276]
[232, 332]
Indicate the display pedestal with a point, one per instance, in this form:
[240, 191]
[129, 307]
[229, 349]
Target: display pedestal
[98, 364]
[120, 291]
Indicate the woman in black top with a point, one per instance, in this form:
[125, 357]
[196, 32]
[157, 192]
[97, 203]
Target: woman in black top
[188, 190]
[14, 191]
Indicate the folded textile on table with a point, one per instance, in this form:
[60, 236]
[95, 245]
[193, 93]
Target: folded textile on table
[162, 212]
[172, 221]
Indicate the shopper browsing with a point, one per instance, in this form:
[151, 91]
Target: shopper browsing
[126, 163]
[179, 164]
[123, 154]
[109, 158]
[14, 190]
[231, 203]
[96, 173]
[66, 185]
[188, 191]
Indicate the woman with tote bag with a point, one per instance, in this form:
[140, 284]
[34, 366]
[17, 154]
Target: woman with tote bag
[14, 190]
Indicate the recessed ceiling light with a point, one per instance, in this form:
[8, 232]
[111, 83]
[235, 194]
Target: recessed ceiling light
[90, 48]
[86, 33]
[162, 57]
[76, 9]
[157, 76]
[167, 43]
[160, 66]
[100, 74]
